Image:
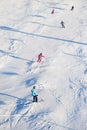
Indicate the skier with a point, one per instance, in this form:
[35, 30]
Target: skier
[34, 94]
[40, 57]
[62, 23]
[52, 12]
[72, 8]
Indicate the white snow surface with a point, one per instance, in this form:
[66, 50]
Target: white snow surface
[27, 28]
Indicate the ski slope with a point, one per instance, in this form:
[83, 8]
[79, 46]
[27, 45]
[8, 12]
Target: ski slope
[27, 28]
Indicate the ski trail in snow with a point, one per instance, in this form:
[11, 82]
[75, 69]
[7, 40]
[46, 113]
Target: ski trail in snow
[15, 45]
[26, 113]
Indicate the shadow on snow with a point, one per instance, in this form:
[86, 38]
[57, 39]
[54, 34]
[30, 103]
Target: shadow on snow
[31, 81]
[42, 36]
[9, 73]
[8, 95]
[16, 57]
[2, 103]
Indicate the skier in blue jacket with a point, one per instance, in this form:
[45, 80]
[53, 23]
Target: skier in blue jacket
[34, 94]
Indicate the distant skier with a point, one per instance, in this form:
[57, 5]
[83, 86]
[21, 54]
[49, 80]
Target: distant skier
[40, 56]
[72, 8]
[34, 94]
[62, 23]
[52, 12]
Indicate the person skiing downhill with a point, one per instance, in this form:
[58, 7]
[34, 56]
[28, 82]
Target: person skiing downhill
[40, 57]
[34, 94]
[52, 12]
[62, 23]
[72, 8]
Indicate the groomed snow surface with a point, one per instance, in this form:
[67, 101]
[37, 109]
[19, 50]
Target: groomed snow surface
[27, 28]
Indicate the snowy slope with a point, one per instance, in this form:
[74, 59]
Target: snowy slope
[27, 28]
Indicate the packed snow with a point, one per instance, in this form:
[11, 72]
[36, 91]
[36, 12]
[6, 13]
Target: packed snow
[27, 28]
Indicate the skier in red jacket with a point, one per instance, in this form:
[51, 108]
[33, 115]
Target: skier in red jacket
[40, 57]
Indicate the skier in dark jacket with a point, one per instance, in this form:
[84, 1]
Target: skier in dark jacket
[34, 94]
[72, 8]
[52, 12]
[62, 23]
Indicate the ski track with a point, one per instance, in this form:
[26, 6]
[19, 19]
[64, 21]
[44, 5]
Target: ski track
[15, 44]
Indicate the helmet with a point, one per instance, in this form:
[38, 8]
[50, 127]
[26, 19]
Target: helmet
[34, 87]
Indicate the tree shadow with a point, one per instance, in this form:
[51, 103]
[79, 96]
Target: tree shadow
[8, 95]
[9, 73]
[41, 36]
[16, 57]
[31, 81]
[2, 103]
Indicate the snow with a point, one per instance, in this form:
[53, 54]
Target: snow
[27, 28]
